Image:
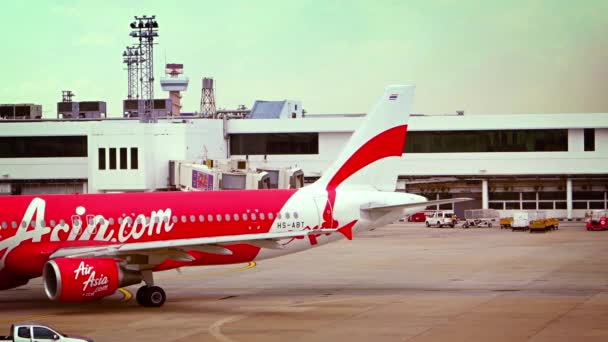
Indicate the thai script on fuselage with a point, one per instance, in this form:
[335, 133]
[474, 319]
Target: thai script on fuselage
[32, 227]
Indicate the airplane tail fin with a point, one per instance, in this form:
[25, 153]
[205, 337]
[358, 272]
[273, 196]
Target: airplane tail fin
[364, 160]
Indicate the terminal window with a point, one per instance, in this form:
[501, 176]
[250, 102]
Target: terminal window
[112, 158]
[43, 147]
[589, 135]
[274, 143]
[134, 158]
[123, 158]
[534, 140]
[102, 158]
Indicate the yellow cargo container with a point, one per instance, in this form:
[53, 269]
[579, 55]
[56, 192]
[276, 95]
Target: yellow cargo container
[506, 222]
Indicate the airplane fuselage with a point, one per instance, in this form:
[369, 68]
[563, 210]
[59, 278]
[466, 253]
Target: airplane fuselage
[33, 227]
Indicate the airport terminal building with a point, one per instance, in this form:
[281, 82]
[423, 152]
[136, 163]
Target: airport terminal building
[556, 162]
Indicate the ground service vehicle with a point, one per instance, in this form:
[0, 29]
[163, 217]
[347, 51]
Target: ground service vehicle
[480, 218]
[535, 221]
[87, 246]
[506, 222]
[539, 222]
[598, 220]
[441, 219]
[28, 332]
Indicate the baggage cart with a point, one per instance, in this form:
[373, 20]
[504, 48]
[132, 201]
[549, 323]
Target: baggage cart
[480, 218]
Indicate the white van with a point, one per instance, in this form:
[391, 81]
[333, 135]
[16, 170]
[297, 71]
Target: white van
[440, 219]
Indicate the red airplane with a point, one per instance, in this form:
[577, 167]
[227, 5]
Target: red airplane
[86, 246]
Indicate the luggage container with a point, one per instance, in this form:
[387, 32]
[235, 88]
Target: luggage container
[506, 222]
[521, 221]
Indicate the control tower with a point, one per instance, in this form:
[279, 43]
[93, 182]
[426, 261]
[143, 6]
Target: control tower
[174, 83]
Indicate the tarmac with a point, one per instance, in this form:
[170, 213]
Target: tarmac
[402, 282]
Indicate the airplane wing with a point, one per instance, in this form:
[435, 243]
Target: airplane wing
[383, 207]
[176, 249]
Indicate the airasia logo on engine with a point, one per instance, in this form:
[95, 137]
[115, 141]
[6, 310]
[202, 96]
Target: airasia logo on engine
[92, 283]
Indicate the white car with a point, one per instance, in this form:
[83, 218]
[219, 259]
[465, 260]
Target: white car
[440, 219]
[28, 332]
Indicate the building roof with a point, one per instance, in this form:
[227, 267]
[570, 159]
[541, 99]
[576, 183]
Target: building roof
[267, 109]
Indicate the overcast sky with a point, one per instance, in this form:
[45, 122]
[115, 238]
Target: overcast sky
[335, 56]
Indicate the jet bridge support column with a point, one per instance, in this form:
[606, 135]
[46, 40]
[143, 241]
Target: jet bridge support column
[569, 199]
[484, 194]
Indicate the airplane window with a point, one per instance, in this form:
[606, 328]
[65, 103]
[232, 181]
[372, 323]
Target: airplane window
[245, 218]
[253, 217]
[227, 216]
[166, 219]
[102, 221]
[147, 219]
[61, 222]
[184, 219]
[14, 224]
[262, 216]
[138, 220]
[201, 218]
[192, 218]
[156, 219]
[33, 224]
[174, 219]
[4, 225]
[23, 224]
[295, 215]
[90, 221]
[279, 216]
[236, 217]
[270, 216]
[287, 215]
[218, 217]
[210, 218]
[111, 221]
[120, 220]
[52, 223]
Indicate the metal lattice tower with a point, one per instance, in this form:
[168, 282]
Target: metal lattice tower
[66, 95]
[208, 98]
[146, 29]
[132, 58]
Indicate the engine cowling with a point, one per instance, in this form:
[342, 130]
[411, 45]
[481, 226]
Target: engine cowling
[81, 280]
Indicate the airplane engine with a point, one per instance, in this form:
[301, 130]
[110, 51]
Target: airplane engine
[81, 280]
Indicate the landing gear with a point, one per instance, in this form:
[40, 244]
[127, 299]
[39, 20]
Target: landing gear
[150, 296]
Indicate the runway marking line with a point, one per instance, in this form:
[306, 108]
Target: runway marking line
[215, 329]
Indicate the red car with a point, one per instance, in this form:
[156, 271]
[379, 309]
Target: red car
[417, 217]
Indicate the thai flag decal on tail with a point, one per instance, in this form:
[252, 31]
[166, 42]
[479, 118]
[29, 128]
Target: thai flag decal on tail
[393, 97]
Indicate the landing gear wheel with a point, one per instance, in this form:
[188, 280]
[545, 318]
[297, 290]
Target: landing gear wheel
[428, 225]
[140, 295]
[151, 296]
